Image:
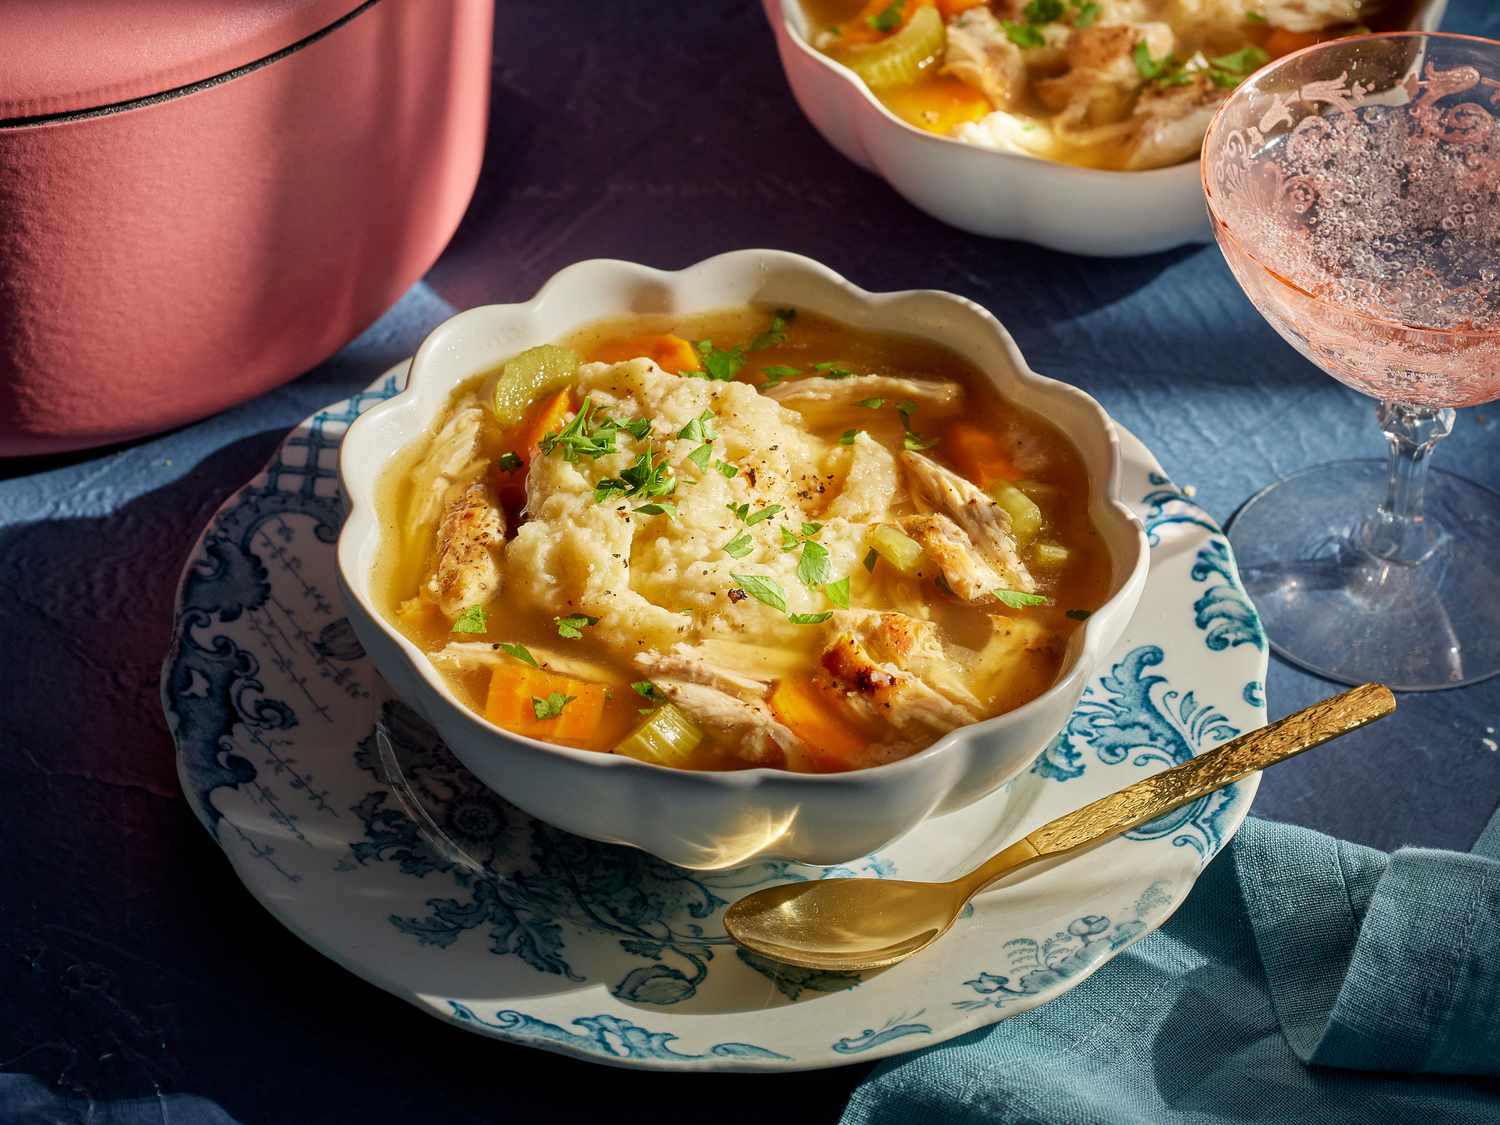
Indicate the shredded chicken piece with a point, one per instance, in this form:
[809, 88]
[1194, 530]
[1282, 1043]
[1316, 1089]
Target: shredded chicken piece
[985, 522]
[869, 484]
[449, 461]
[470, 540]
[486, 654]
[931, 393]
[1170, 122]
[685, 662]
[1315, 15]
[750, 728]
[946, 544]
[1016, 664]
[913, 645]
[981, 55]
[883, 693]
[1102, 77]
[1010, 132]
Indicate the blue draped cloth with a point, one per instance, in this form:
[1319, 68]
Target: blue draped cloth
[1305, 979]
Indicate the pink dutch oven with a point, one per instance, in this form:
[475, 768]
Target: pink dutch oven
[200, 199]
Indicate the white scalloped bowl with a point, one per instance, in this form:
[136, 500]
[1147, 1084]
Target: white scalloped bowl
[713, 820]
[998, 194]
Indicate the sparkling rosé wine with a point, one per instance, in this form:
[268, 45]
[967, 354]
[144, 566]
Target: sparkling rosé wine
[1363, 219]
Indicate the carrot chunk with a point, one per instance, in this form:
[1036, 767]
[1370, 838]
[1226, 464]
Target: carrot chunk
[542, 419]
[938, 104]
[870, 24]
[517, 692]
[977, 454]
[671, 353]
[1283, 42]
[813, 715]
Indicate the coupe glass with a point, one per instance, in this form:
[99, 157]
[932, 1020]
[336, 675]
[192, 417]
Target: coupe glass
[1354, 188]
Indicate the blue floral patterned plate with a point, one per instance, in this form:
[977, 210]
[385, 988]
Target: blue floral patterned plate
[352, 824]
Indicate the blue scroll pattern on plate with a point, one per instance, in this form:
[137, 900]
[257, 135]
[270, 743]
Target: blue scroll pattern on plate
[610, 1037]
[525, 881]
[1036, 967]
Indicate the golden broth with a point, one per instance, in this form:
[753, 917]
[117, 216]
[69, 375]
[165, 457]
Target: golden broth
[1060, 488]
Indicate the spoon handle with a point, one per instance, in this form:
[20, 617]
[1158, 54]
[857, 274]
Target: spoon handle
[1160, 793]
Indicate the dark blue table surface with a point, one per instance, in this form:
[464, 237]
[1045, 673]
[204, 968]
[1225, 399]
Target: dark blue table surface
[133, 964]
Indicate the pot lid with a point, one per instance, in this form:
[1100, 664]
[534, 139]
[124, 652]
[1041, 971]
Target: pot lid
[63, 56]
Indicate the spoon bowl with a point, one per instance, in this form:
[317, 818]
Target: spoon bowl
[875, 923]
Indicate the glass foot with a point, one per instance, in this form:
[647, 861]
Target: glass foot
[1340, 612]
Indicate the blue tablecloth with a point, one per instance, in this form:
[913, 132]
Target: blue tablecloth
[130, 961]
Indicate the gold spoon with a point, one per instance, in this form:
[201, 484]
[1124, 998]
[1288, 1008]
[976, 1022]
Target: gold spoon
[857, 924]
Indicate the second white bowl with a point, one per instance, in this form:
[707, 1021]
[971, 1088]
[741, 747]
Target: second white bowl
[998, 194]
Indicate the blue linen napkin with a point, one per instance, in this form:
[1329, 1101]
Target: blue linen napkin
[1305, 979]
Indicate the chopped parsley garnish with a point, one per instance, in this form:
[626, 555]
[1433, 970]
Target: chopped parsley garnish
[814, 568]
[848, 436]
[872, 556]
[471, 620]
[889, 17]
[809, 618]
[764, 514]
[638, 429]
[1015, 599]
[718, 364]
[573, 625]
[740, 510]
[1230, 70]
[789, 539]
[648, 475]
[776, 372]
[1022, 34]
[510, 461]
[833, 369]
[649, 692]
[1224, 71]
[552, 706]
[520, 652]
[762, 590]
[700, 456]
[774, 336]
[726, 469]
[811, 529]
[659, 508]
[1079, 614]
[871, 403]
[1027, 32]
[910, 439]
[1254, 17]
[700, 428]
[587, 435]
[838, 592]
[1043, 11]
[916, 442]
[740, 546]
[608, 487]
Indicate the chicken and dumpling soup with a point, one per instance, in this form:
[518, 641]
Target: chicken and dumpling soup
[748, 538]
[1119, 84]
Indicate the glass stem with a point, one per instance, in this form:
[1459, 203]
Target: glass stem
[1401, 532]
